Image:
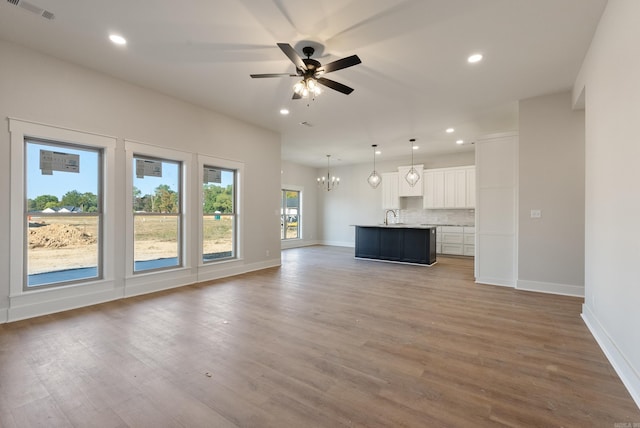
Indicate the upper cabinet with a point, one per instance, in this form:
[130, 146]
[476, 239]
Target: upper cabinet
[404, 189]
[390, 197]
[449, 187]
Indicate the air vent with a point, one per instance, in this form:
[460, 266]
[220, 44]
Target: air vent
[32, 8]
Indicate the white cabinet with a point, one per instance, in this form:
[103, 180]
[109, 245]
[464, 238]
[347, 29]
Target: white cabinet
[449, 188]
[455, 188]
[390, 198]
[455, 240]
[452, 239]
[433, 188]
[469, 241]
[471, 187]
[404, 189]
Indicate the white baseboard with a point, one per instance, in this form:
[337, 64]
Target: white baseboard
[136, 286]
[495, 281]
[4, 315]
[296, 243]
[627, 373]
[338, 243]
[551, 288]
[232, 270]
[52, 301]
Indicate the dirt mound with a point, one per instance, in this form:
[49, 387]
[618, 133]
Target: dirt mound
[58, 235]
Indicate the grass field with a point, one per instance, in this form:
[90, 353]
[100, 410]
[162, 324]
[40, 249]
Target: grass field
[67, 244]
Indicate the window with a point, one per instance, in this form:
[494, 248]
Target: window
[63, 213]
[290, 214]
[157, 213]
[219, 222]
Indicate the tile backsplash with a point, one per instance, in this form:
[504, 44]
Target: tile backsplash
[413, 213]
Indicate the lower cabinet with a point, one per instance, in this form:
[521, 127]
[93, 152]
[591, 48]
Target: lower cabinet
[456, 240]
[398, 244]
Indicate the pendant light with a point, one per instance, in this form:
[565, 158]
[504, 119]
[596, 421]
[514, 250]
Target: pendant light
[329, 182]
[412, 176]
[374, 178]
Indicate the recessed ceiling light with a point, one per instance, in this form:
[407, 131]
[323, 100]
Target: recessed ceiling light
[450, 130]
[460, 142]
[415, 147]
[475, 58]
[284, 111]
[378, 152]
[118, 40]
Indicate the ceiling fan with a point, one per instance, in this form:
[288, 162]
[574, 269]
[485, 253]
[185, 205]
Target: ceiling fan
[311, 71]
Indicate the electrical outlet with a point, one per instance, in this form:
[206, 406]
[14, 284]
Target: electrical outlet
[536, 213]
[267, 253]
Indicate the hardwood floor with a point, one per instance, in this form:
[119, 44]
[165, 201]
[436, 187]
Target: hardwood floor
[323, 341]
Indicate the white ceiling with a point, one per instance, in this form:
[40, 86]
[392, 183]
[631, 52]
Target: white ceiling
[414, 80]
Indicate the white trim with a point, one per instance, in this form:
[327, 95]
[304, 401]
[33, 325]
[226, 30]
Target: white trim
[51, 300]
[21, 129]
[338, 243]
[151, 282]
[629, 376]
[285, 244]
[186, 159]
[231, 269]
[551, 288]
[300, 190]
[203, 160]
[495, 281]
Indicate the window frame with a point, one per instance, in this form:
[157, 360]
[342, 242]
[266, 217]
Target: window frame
[232, 214]
[135, 149]
[20, 131]
[99, 214]
[238, 168]
[283, 209]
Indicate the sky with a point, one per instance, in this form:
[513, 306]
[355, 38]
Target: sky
[86, 180]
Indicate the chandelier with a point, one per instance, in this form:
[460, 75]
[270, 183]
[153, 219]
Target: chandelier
[374, 178]
[330, 181]
[307, 86]
[412, 176]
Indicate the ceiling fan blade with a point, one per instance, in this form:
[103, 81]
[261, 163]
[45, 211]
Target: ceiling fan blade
[340, 64]
[296, 96]
[291, 53]
[259, 76]
[335, 85]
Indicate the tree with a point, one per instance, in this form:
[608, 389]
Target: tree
[87, 202]
[42, 202]
[71, 199]
[165, 200]
[217, 198]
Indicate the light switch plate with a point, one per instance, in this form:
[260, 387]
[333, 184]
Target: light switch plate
[536, 213]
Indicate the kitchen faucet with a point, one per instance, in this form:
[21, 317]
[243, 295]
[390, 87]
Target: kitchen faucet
[386, 216]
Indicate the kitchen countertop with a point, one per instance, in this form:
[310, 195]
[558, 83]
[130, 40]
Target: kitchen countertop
[411, 225]
[398, 226]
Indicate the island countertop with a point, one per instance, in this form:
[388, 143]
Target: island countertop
[398, 225]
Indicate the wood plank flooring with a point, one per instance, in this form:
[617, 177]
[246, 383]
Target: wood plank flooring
[323, 341]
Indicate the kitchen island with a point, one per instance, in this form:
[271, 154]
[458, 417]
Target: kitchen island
[400, 243]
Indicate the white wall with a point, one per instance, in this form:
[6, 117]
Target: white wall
[39, 88]
[303, 178]
[609, 78]
[551, 179]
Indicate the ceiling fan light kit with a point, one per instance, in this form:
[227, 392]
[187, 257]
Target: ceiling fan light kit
[311, 72]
